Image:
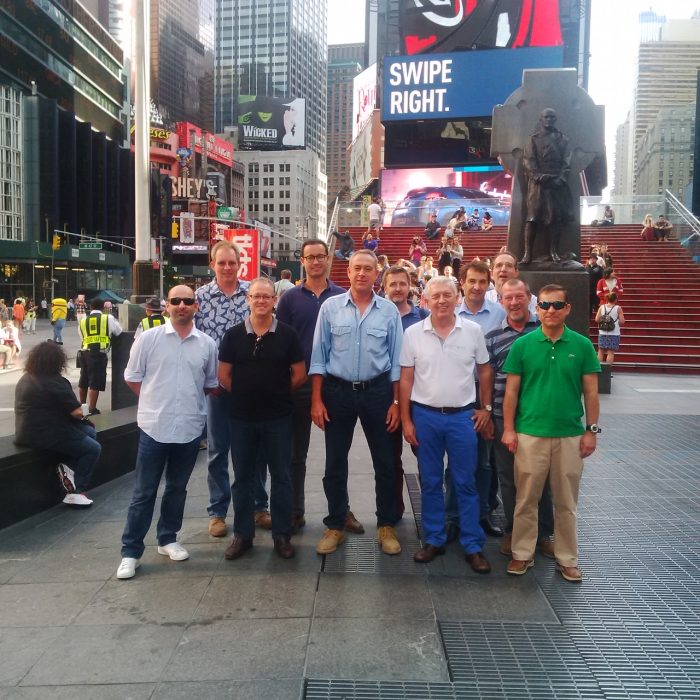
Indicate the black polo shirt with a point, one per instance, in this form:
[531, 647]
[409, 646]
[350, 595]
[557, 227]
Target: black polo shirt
[261, 380]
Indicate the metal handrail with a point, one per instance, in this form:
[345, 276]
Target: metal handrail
[689, 219]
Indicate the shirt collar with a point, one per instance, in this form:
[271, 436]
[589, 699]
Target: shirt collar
[565, 336]
[350, 300]
[485, 308]
[428, 323]
[170, 329]
[241, 288]
[531, 322]
[249, 326]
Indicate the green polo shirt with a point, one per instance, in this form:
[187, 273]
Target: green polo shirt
[551, 382]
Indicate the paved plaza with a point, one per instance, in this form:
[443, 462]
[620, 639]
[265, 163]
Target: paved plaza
[361, 625]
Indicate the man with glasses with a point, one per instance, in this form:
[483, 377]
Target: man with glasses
[548, 370]
[355, 373]
[299, 308]
[261, 363]
[221, 305]
[170, 369]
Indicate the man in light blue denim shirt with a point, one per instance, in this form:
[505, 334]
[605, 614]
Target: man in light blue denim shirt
[355, 374]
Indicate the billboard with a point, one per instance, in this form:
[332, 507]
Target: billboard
[248, 242]
[456, 85]
[365, 153]
[429, 26]
[271, 123]
[364, 98]
[217, 149]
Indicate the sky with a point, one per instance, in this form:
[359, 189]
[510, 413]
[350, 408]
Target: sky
[614, 41]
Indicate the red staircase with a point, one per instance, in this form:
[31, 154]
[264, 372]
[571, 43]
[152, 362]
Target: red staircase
[661, 300]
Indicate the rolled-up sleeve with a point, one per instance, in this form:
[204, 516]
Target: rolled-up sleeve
[395, 340]
[321, 344]
[211, 377]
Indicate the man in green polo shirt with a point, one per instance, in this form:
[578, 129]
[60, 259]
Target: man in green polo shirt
[548, 370]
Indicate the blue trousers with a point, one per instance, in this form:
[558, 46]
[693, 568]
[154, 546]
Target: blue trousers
[81, 453]
[58, 330]
[153, 458]
[452, 434]
[272, 439]
[344, 407]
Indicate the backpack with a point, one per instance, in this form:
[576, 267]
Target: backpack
[606, 322]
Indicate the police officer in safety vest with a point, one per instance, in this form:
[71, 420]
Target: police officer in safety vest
[154, 316]
[97, 330]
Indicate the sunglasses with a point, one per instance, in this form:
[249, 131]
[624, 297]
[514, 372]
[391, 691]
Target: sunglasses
[558, 305]
[258, 346]
[176, 301]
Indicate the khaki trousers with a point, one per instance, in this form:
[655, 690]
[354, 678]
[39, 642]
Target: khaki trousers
[535, 459]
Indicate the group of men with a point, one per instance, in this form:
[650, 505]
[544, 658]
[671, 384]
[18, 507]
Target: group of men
[330, 356]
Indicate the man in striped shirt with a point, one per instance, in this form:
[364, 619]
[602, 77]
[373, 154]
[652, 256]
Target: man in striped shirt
[515, 296]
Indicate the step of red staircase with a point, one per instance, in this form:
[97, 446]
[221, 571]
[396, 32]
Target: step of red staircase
[661, 298]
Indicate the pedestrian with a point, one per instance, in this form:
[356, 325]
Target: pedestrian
[153, 318]
[260, 363]
[171, 368]
[59, 311]
[610, 319]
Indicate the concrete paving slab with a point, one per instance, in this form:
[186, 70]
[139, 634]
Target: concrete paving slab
[21, 648]
[106, 654]
[240, 650]
[118, 691]
[251, 596]
[145, 600]
[372, 650]
[286, 689]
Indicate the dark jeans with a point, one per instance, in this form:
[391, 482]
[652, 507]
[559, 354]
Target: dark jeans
[398, 472]
[344, 407]
[274, 438]
[153, 458]
[301, 435]
[504, 460]
[81, 454]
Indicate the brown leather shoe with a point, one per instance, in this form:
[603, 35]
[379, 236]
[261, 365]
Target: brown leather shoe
[330, 541]
[427, 553]
[505, 549]
[284, 547]
[263, 519]
[388, 541]
[570, 573]
[237, 548]
[352, 524]
[478, 562]
[518, 567]
[546, 547]
[217, 527]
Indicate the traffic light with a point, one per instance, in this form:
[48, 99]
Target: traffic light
[56, 242]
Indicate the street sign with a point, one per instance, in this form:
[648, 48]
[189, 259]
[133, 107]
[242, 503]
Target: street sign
[227, 213]
[90, 246]
[184, 152]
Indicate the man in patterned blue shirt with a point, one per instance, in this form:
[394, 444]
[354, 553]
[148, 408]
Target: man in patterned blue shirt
[222, 304]
[355, 374]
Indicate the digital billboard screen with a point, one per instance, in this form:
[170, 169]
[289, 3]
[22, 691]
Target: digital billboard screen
[271, 123]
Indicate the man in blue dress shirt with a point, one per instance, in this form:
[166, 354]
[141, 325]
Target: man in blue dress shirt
[355, 374]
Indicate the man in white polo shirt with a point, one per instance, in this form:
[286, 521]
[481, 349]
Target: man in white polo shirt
[437, 399]
[170, 369]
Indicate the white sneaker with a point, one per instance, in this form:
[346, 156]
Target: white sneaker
[77, 499]
[175, 551]
[67, 477]
[127, 569]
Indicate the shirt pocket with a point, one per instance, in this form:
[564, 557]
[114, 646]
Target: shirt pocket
[340, 338]
[376, 340]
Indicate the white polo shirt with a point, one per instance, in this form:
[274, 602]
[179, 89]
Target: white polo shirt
[444, 369]
[173, 373]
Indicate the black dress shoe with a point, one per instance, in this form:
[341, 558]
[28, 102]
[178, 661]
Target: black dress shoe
[237, 548]
[489, 528]
[284, 547]
[452, 531]
[427, 553]
[479, 563]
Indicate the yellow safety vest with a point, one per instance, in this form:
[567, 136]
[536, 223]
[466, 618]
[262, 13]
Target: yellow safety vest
[152, 321]
[95, 330]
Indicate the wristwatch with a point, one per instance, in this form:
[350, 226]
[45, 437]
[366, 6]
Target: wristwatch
[488, 407]
[593, 428]
[396, 402]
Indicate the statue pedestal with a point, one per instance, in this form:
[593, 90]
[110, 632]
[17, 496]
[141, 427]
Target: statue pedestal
[576, 285]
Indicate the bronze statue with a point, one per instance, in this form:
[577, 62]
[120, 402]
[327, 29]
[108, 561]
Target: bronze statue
[547, 164]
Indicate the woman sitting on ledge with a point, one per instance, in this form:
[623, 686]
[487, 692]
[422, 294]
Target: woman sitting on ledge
[48, 416]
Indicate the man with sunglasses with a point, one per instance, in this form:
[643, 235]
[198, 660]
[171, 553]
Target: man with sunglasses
[222, 303]
[170, 369]
[548, 370]
[261, 363]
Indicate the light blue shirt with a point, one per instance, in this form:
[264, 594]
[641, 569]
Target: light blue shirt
[488, 317]
[357, 347]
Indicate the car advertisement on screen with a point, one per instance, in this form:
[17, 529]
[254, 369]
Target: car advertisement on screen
[271, 123]
[411, 195]
[431, 26]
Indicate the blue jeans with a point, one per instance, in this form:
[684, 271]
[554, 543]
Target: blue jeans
[454, 434]
[483, 478]
[81, 453]
[58, 330]
[153, 458]
[273, 440]
[344, 407]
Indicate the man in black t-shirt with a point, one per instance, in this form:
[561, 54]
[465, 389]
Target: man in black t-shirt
[261, 362]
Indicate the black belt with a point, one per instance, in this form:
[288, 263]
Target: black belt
[445, 410]
[357, 386]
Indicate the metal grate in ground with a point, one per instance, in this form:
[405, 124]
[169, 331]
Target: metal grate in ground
[382, 690]
[413, 486]
[361, 555]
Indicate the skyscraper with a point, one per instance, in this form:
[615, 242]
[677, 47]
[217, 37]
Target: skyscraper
[273, 48]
